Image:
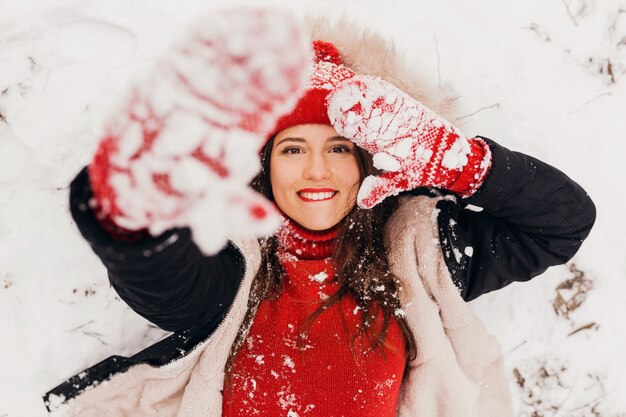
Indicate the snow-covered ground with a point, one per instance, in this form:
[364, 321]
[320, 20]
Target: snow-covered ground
[545, 77]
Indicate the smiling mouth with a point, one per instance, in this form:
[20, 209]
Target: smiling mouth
[318, 196]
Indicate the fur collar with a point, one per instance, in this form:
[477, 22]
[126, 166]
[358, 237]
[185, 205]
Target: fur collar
[367, 52]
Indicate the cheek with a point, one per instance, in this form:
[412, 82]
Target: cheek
[350, 176]
[281, 178]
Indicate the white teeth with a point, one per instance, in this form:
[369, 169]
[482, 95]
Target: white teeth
[317, 196]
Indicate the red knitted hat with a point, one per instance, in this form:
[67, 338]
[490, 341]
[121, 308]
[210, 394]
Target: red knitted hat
[328, 72]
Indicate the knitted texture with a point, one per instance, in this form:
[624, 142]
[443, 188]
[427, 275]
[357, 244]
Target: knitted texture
[280, 372]
[306, 244]
[328, 72]
[409, 142]
[184, 147]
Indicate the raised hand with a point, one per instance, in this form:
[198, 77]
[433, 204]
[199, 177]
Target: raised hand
[185, 145]
[413, 145]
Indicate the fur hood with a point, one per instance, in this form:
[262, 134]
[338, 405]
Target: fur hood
[367, 52]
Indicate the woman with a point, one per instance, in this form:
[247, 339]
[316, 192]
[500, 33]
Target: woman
[355, 306]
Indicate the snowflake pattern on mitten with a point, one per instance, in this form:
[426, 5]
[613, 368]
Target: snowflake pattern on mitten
[409, 142]
[185, 146]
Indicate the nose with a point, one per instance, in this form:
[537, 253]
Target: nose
[316, 168]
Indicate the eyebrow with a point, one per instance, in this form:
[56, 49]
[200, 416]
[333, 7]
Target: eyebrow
[298, 139]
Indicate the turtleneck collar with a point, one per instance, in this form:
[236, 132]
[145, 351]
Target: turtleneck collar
[306, 244]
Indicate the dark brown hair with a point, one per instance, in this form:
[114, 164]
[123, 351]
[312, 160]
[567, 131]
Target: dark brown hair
[360, 265]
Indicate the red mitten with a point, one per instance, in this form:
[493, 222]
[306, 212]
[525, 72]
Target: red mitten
[408, 141]
[185, 146]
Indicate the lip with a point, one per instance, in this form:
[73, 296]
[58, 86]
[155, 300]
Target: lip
[316, 190]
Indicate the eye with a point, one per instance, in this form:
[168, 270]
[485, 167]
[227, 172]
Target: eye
[291, 150]
[340, 149]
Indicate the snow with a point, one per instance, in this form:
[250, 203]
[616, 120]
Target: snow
[472, 207]
[319, 277]
[456, 156]
[532, 75]
[457, 254]
[386, 162]
[287, 361]
[14, 156]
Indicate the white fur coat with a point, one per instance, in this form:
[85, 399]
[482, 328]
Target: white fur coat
[458, 371]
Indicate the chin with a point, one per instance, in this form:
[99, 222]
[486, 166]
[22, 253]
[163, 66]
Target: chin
[316, 225]
[319, 228]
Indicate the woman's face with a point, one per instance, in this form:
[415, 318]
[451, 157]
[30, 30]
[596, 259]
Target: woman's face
[314, 175]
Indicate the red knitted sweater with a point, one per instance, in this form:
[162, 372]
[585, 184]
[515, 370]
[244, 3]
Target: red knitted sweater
[273, 377]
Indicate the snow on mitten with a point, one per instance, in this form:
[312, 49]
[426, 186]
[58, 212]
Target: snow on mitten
[185, 146]
[412, 144]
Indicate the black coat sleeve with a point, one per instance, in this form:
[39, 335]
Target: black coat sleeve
[165, 279]
[533, 217]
